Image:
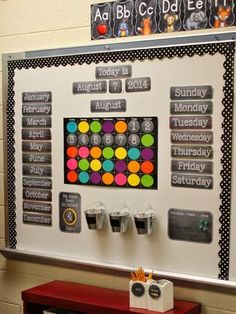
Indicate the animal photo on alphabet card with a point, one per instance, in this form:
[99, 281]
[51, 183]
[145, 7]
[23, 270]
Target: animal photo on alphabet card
[146, 17]
[222, 13]
[123, 25]
[195, 14]
[101, 21]
[169, 16]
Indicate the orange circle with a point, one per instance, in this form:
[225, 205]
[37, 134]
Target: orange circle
[133, 166]
[72, 151]
[147, 167]
[107, 178]
[72, 176]
[95, 152]
[121, 127]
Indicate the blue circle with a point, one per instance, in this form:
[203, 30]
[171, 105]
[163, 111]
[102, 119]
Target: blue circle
[133, 153]
[83, 177]
[71, 127]
[108, 165]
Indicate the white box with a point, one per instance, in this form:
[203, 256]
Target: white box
[138, 294]
[160, 295]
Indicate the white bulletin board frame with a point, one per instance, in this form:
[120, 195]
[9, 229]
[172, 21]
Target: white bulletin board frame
[223, 44]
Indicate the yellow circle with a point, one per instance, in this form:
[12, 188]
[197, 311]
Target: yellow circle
[120, 153]
[133, 180]
[83, 127]
[95, 165]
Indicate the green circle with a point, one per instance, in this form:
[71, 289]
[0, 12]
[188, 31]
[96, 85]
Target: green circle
[147, 140]
[108, 152]
[147, 181]
[84, 164]
[95, 126]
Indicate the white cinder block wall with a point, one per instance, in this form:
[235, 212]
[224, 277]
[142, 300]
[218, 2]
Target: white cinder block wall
[39, 24]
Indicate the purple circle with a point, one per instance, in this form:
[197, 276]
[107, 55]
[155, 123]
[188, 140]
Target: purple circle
[147, 153]
[108, 127]
[120, 166]
[95, 178]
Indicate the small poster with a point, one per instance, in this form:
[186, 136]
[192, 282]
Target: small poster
[195, 14]
[123, 18]
[169, 16]
[222, 13]
[101, 21]
[145, 17]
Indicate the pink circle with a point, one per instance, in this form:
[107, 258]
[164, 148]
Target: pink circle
[83, 152]
[72, 164]
[120, 179]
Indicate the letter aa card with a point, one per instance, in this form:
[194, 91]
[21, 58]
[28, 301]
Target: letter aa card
[169, 15]
[101, 21]
[222, 13]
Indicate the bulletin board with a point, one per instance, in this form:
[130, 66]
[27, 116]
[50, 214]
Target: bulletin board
[142, 133]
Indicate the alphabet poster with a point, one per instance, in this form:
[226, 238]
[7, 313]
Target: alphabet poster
[137, 17]
[124, 158]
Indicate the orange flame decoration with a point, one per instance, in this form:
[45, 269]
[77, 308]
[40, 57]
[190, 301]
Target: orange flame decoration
[139, 275]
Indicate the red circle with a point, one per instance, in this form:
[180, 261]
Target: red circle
[147, 167]
[72, 151]
[72, 176]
